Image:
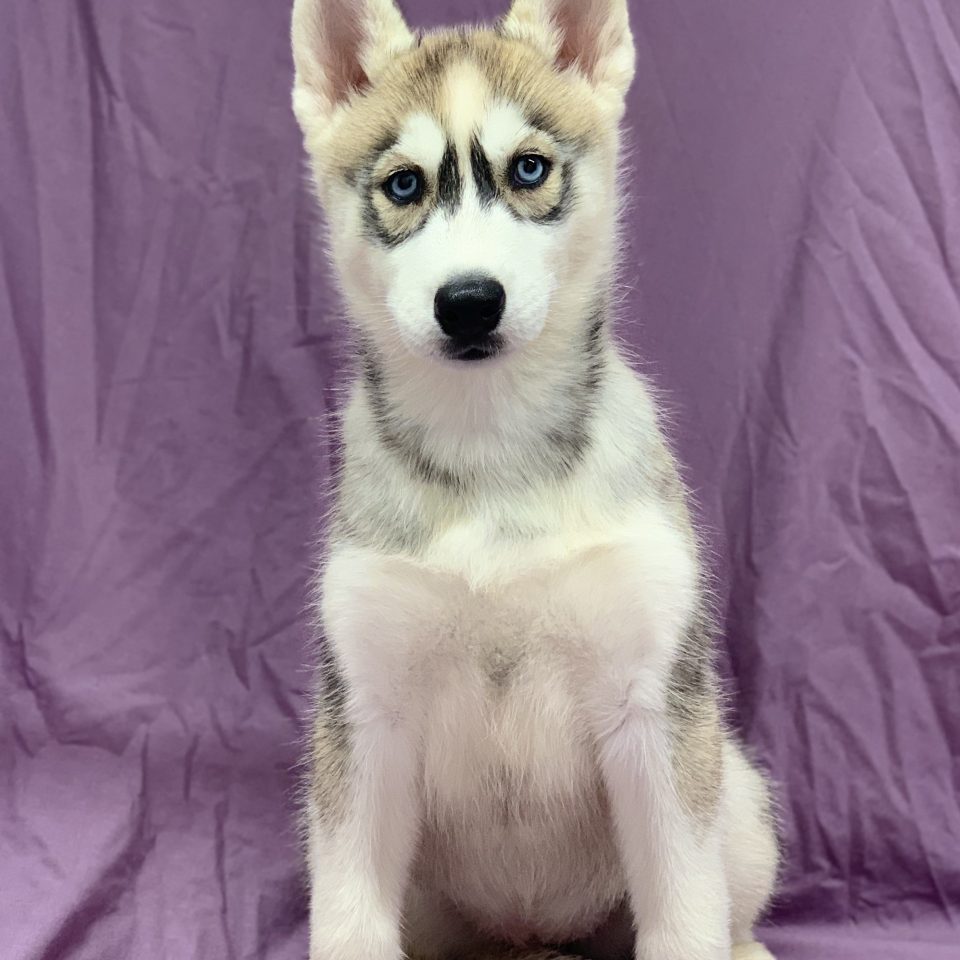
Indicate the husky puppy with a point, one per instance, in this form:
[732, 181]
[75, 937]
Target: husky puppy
[518, 746]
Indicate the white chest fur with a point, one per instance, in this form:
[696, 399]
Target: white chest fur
[586, 607]
[500, 677]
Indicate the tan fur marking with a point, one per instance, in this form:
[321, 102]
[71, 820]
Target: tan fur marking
[330, 745]
[464, 101]
[329, 770]
[417, 82]
[698, 761]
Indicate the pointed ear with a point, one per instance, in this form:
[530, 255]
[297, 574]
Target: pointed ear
[592, 36]
[340, 46]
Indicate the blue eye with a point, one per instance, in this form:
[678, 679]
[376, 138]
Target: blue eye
[404, 186]
[530, 170]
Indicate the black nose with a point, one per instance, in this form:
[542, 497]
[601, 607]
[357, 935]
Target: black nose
[469, 308]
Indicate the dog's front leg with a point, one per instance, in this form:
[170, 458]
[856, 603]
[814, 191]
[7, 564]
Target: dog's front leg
[364, 808]
[673, 864]
[635, 601]
[363, 819]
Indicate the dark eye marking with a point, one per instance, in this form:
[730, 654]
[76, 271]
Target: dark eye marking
[376, 229]
[449, 182]
[482, 174]
[404, 187]
[397, 188]
[529, 171]
[561, 208]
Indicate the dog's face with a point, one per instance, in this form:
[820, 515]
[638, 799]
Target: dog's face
[468, 177]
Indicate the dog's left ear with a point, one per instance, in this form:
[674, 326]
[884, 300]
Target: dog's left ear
[340, 47]
[592, 36]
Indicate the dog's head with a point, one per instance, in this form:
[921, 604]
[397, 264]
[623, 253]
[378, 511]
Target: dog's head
[468, 177]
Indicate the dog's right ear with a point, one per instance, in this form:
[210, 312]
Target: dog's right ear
[339, 47]
[590, 36]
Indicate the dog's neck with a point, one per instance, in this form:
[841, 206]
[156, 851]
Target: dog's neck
[503, 422]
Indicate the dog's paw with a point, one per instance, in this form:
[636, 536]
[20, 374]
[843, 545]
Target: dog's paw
[751, 951]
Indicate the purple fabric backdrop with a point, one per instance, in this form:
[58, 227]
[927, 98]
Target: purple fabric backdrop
[168, 344]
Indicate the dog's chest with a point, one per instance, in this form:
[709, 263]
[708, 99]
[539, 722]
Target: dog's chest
[517, 825]
[501, 700]
[501, 659]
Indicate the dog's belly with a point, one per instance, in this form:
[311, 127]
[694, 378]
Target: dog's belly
[517, 833]
[551, 881]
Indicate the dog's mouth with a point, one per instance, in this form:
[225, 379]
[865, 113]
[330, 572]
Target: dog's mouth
[482, 348]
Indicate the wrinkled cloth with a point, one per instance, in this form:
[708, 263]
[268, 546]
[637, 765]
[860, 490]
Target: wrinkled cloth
[170, 352]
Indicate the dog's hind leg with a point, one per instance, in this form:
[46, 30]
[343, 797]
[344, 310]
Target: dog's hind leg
[750, 851]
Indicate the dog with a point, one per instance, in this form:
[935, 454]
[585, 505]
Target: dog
[518, 746]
